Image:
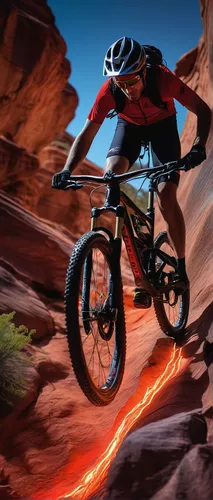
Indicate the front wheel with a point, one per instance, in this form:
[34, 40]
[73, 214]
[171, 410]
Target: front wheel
[171, 309]
[95, 330]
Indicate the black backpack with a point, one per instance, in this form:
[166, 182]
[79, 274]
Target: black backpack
[154, 57]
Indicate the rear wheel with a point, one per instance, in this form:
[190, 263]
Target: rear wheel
[171, 308]
[96, 332]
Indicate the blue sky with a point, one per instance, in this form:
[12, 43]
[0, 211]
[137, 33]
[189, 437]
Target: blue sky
[89, 28]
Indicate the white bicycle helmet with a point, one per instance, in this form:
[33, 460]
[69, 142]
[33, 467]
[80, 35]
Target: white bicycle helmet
[125, 56]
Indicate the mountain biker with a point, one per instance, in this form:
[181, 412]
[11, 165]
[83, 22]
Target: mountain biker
[149, 114]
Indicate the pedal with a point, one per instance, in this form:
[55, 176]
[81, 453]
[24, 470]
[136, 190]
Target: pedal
[141, 299]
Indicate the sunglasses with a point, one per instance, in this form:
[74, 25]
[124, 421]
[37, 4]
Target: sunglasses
[131, 82]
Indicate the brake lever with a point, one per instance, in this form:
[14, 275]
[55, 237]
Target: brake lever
[73, 185]
[181, 166]
[171, 164]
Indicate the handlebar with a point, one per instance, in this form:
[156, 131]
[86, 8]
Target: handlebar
[75, 181]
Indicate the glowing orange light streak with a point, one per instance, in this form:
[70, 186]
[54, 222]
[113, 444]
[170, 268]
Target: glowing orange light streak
[92, 479]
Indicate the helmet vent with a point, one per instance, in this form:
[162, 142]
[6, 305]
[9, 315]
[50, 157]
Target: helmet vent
[125, 56]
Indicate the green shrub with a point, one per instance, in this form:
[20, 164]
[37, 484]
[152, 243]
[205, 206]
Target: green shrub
[12, 361]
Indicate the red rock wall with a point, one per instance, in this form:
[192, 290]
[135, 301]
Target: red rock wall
[196, 69]
[18, 173]
[195, 191]
[37, 102]
[72, 209]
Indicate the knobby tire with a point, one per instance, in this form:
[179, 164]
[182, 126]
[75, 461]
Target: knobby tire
[99, 396]
[176, 331]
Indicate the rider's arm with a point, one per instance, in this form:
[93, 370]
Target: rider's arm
[102, 105]
[187, 97]
[81, 145]
[196, 105]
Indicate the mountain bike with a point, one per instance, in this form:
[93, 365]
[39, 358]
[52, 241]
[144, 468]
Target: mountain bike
[94, 306]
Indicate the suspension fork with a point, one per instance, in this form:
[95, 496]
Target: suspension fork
[116, 243]
[87, 272]
[116, 255]
[86, 292]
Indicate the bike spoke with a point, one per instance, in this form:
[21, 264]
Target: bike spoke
[100, 362]
[98, 351]
[172, 306]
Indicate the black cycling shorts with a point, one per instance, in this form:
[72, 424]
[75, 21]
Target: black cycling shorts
[163, 136]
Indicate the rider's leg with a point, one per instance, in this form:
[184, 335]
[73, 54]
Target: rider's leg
[117, 164]
[173, 216]
[125, 147]
[166, 144]
[123, 151]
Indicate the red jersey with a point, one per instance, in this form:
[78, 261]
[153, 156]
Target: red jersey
[144, 112]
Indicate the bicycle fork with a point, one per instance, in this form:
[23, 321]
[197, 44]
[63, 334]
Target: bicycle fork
[115, 243]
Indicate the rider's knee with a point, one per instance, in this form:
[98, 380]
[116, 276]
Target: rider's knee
[117, 164]
[167, 195]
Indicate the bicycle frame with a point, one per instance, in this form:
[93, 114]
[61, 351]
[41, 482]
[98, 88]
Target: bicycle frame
[124, 227]
[128, 234]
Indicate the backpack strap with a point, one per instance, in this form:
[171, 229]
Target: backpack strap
[119, 98]
[151, 89]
